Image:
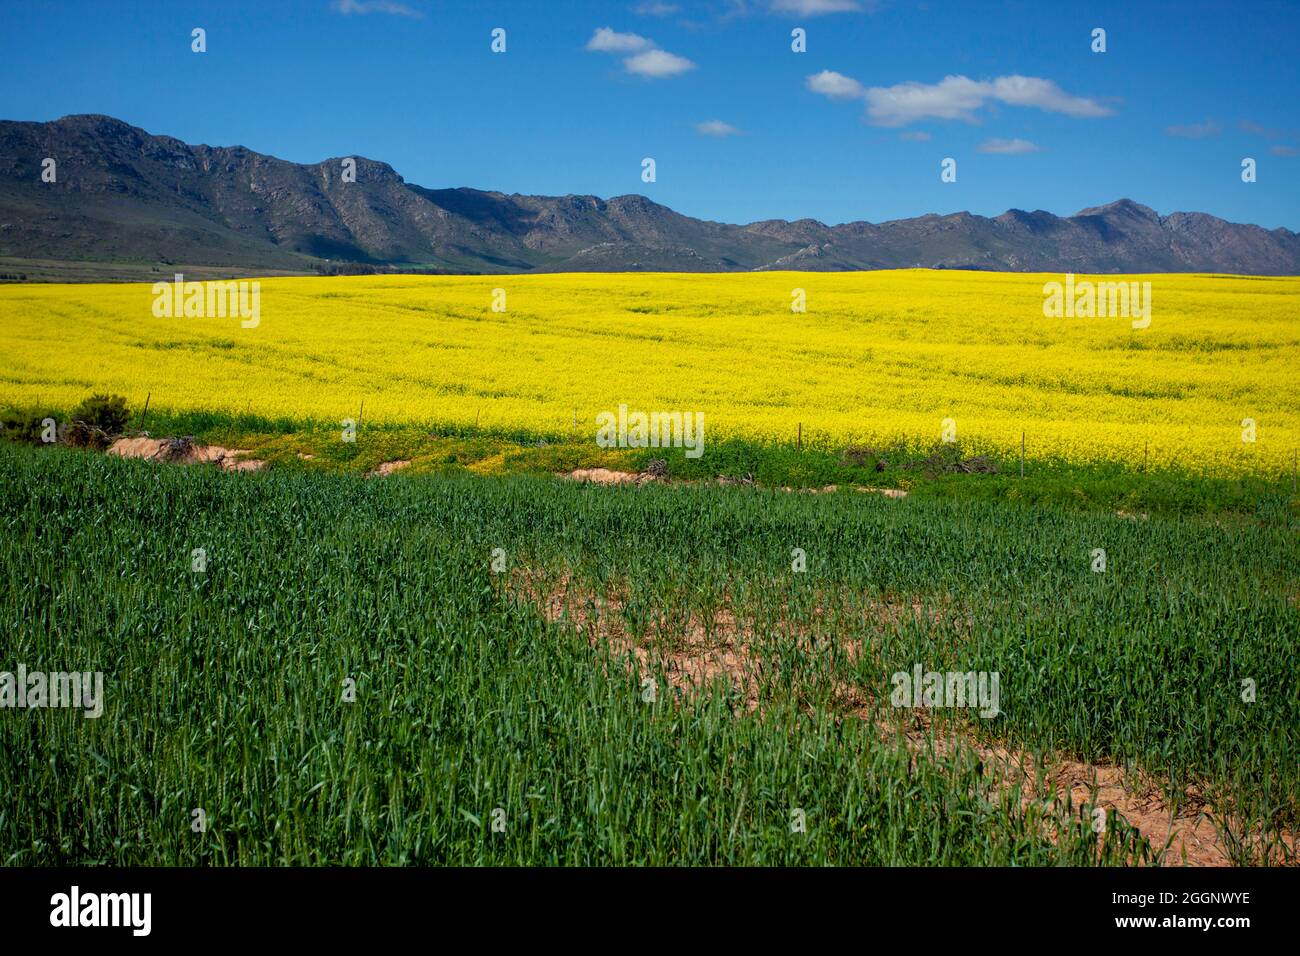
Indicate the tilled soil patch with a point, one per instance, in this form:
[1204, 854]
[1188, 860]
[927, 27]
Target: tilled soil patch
[184, 451]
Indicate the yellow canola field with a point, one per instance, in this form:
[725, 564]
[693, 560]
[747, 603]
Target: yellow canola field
[877, 356]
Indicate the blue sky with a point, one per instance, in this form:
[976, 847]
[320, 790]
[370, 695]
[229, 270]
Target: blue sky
[854, 128]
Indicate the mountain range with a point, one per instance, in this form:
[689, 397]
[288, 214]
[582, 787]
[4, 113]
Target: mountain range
[121, 194]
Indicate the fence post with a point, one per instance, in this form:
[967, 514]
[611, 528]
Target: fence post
[1022, 454]
[799, 439]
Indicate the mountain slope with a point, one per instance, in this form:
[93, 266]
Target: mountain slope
[122, 195]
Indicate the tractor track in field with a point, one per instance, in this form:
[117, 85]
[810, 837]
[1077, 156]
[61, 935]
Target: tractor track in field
[699, 652]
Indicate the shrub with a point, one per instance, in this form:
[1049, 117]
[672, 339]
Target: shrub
[97, 421]
[28, 427]
[108, 413]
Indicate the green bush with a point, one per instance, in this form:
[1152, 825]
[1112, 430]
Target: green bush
[97, 421]
[28, 427]
[108, 413]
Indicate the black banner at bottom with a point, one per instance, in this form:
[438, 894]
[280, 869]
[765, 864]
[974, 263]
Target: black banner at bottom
[339, 905]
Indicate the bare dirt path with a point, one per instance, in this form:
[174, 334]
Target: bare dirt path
[702, 652]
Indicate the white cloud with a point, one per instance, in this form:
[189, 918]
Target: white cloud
[657, 64]
[1045, 95]
[1284, 150]
[814, 8]
[348, 7]
[647, 59]
[1252, 127]
[1195, 130]
[652, 9]
[1008, 147]
[835, 85]
[716, 128]
[915, 136]
[953, 97]
[605, 40]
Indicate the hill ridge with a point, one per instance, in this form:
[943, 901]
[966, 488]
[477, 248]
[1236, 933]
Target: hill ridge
[123, 194]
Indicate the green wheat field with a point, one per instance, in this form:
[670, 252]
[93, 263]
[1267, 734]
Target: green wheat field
[456, 669]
